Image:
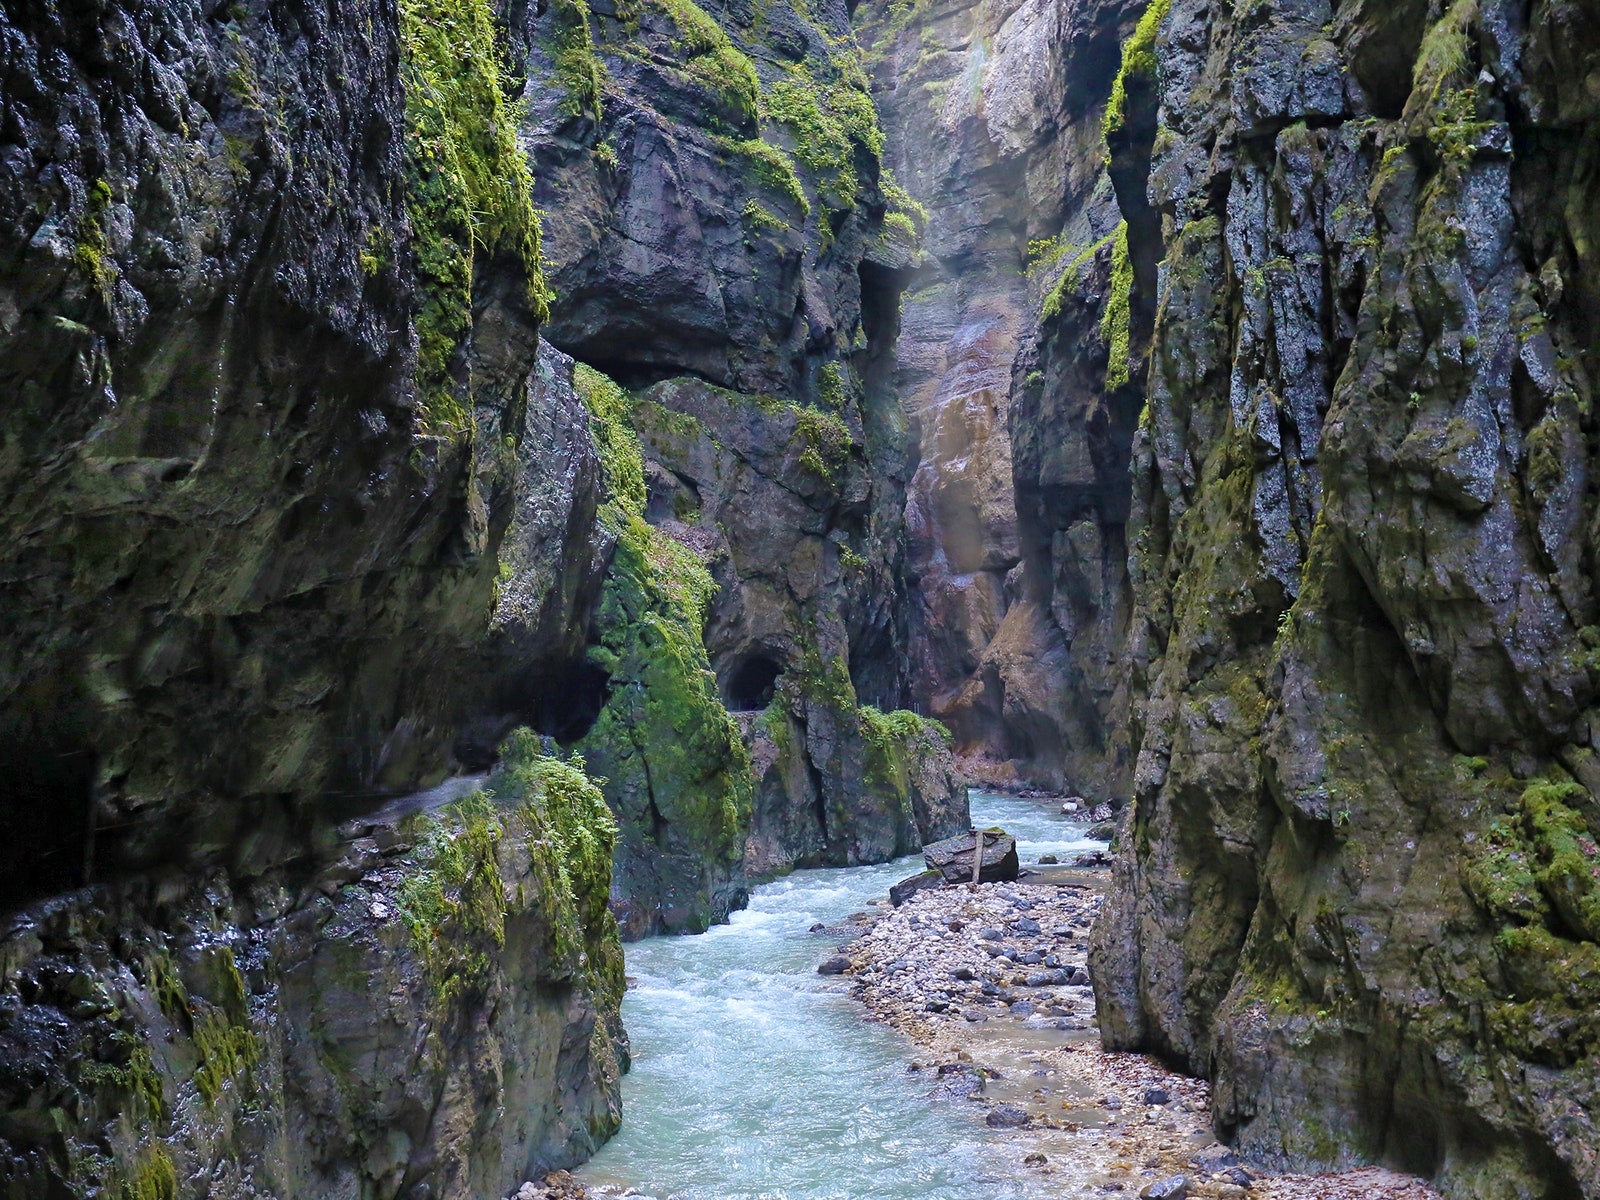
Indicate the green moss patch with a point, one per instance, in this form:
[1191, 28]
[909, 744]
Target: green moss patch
[579, 73]
[710, 56]
[1138, 63]
[1117, 321]
[828, 126]
[151, 1176]
[467, 185]
[827, 442]
[91, 252]
[455, 903]
[664, 740]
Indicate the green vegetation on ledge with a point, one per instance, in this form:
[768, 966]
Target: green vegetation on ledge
[712, 58]
[467, 184]
[456, 903]
[1539, 872]
[664, 739]
[1138, 62]
[578, 70]
[828, 124]
[1116, 320]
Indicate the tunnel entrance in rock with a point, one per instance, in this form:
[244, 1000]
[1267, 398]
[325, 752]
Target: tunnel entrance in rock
[563, 702]
[46, 806]
[752, 683]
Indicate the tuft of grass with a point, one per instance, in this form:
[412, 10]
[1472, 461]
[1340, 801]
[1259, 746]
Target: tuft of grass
[1446, 51]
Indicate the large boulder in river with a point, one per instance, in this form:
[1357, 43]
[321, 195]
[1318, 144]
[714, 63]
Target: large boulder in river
[952, 858]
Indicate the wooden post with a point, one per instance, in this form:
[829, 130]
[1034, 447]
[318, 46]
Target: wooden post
[977, 854]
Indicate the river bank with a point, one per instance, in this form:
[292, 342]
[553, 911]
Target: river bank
[989, 982]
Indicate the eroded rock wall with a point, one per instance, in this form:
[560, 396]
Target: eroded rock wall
[1354, 888]
[727, 277]
[249, 533]
[993, 121]
[269, 303]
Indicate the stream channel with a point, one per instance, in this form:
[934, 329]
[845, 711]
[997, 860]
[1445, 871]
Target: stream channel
[754, 1078]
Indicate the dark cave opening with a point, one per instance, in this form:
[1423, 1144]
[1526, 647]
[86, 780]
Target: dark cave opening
[752, 683]
[46, 806]
[562, 702]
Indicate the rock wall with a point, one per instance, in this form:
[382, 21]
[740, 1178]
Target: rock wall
[992, 120]
[269, 304]
[727, 266]
[434, 1013]
[259, 378]
[1357, 886]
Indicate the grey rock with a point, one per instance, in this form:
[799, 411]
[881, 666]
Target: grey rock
[910, 886]
[837, 965]
[1174, 1188]
[953, 857]
[1006, 1116]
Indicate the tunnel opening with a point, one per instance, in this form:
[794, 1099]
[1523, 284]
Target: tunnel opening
[47, 807]
[562, 702]
[752, 683]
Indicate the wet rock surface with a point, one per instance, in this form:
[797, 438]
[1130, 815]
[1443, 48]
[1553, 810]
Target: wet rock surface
[1353, 546]
[960, 859]
[311, 1036]
[991, 115]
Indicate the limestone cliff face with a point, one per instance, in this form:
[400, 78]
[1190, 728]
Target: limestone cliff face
[1358, 885]
[267, 320]
[247, 533]
[992, 116]
[727, 275]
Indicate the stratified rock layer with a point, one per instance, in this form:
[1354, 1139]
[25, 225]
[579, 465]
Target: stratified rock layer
[1356, 887]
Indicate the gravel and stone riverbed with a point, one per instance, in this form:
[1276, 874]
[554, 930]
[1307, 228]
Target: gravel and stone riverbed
[990, 982]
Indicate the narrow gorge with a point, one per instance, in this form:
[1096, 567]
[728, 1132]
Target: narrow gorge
[486, 483]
